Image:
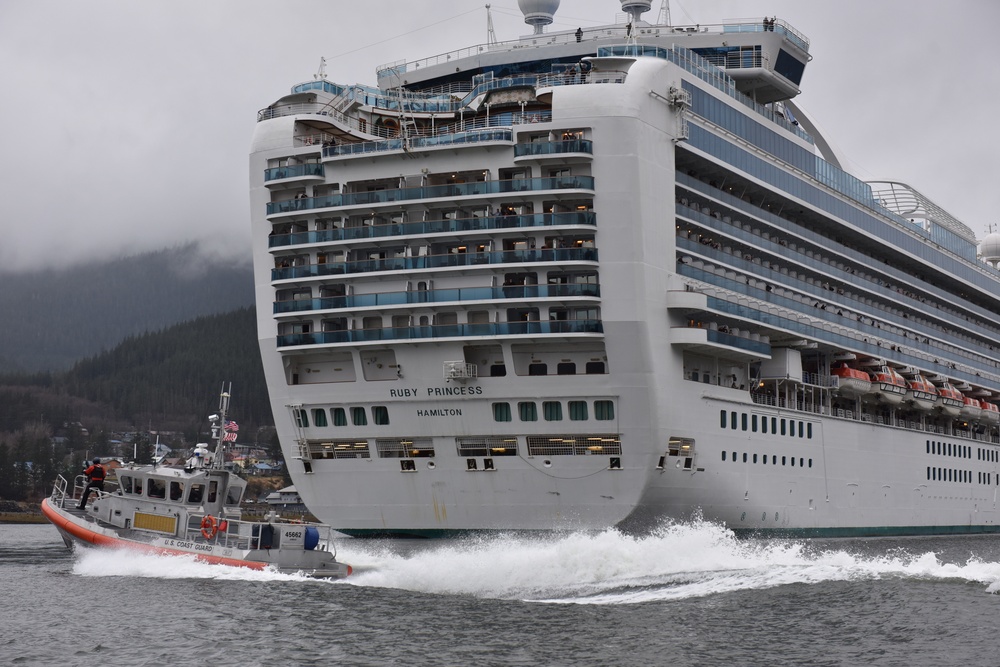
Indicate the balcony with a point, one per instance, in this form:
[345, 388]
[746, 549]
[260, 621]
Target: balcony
[435, 227]
[486, 329]
[566, 148]
[445, 191]
[514, 292]
[475, 136]
[295, 172]
[435, 261]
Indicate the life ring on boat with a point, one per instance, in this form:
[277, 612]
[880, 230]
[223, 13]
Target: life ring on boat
[209, 527]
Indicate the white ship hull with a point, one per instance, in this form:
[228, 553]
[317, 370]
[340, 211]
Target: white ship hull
[576, 314]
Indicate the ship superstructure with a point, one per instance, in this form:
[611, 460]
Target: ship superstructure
[609, 276]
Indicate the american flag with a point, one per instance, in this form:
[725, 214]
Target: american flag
[229, 437]
[232, 426]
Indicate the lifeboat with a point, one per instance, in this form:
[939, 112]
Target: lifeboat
[887, 385]
[950, 400]
[991, 413]
[921, 393]
[971, 410]
[850, 381]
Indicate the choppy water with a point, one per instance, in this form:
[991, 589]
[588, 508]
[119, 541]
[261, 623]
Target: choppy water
[688, 595]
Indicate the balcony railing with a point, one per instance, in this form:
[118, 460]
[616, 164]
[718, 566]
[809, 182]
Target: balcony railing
[448, 190]
[554, 147]
[294, 171]
[435, 227]
[554, 327]
[518, 292]
[435, 261]
[417, 142]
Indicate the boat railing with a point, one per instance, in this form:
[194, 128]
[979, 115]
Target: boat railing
[242, 534]
[58, 495]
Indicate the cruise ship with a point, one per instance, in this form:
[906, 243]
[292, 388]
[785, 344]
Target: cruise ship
[611, 277]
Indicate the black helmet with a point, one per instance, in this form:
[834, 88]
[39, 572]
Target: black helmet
[97, 460]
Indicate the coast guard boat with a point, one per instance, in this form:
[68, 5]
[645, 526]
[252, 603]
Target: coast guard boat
[194, 510]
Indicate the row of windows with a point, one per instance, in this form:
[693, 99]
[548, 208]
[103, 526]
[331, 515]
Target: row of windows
[948, 449]
[989, 478]
[988, 455]
[527, 412]
[552, 411]
[587, 444]
[338, 416]
[161, 488]
[755, 423]
[785, 460]
[950, 475]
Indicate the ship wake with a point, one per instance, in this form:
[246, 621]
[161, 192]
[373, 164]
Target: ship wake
[679, 561]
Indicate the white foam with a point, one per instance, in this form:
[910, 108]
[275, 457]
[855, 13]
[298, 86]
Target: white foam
[679, 561]
[129, 563]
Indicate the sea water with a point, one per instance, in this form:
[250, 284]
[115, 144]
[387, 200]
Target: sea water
[689, 594]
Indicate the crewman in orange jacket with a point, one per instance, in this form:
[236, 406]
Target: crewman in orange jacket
[95, 474]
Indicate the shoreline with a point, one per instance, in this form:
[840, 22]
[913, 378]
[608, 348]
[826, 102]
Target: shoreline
[22, 518]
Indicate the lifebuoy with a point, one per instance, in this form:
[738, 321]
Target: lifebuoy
[209, 527]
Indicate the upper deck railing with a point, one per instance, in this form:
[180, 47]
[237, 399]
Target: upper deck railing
[619, 32]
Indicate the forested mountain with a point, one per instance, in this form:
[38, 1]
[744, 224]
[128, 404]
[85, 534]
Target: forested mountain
[55, 317]
[165, 380]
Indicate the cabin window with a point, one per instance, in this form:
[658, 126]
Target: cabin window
[126, 484]
[233, 495]
[196, 493]
[380, 414]
[527, 411]
[213, 491]
[319, 416]
[552, 411]
[339, 416]
[359, 417]
[156, 488]
[176, 491]
[578, 410]
[137, 486]
[501, 412]
[604, 410]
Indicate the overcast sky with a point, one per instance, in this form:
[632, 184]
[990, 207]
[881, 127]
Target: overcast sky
[125, 124]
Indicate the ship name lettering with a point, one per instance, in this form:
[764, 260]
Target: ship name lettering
[402, 393]
[203, 547]
[440, 412]
[454, 391]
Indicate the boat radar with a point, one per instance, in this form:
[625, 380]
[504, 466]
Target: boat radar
[538, 13]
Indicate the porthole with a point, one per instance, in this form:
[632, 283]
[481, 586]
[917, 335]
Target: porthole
[547, 463]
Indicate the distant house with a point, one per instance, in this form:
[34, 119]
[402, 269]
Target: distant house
[286, 499]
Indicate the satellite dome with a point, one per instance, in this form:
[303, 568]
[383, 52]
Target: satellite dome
[635, 8]
[538, 13]
[989, 248]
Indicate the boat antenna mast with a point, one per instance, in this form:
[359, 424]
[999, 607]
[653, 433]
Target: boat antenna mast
[491, 36]
[218, 421]
[664, 17]
[320, 74]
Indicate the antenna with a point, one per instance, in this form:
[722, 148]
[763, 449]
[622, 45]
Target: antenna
[491, 37]
[664, 17]
[321, 72]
